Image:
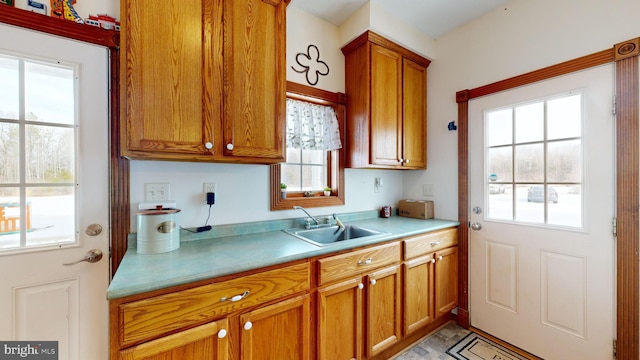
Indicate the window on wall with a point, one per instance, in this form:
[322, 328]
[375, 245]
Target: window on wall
[535, 163]
[312, 133]
[314, 157]
[38, 158]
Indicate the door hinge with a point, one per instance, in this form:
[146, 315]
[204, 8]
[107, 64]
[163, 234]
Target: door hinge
[614, 226]
[613, 111]
[615, 348]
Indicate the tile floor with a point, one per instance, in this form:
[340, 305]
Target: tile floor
[434, 346]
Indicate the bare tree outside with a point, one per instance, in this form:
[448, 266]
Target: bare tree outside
[38, 144]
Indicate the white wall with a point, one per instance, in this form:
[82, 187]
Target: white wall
[373, 17]
[525, 36]
[304, 29]
[94, 7]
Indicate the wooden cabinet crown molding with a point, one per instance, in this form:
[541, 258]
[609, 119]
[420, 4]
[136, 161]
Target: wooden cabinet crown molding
[65, 28]
[372, 37]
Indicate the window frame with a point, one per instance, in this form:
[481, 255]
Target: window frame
[545, 182]
[335, 158]
[23, 184]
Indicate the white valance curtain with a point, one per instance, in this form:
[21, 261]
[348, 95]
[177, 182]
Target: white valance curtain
[311, 126]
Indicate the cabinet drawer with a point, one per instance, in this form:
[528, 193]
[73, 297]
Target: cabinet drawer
[425, 243]
[146, 319]
[353, 263]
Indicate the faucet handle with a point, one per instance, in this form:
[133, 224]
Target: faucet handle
[307, 225]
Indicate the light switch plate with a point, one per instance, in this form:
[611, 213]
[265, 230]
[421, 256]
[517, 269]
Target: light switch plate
[427, 189]
[156, 191]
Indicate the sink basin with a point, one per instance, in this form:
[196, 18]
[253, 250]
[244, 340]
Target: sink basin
[331, 234]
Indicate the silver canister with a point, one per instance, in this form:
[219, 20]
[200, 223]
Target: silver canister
[158, 229]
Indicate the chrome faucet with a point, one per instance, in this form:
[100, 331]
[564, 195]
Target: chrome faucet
[338, 222]
[310, 216]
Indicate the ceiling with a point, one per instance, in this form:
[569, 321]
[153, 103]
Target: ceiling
[431, 17]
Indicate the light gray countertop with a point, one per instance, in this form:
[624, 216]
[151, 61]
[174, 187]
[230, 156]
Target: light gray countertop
[224, 255]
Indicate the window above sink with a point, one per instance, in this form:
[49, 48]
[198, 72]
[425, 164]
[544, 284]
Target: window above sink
[333, 175]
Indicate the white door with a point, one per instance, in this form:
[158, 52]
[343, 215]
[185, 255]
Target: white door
[541, 167]
[53, 186]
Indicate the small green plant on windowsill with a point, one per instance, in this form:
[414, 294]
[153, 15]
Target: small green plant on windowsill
[327, 191]
[283, 190]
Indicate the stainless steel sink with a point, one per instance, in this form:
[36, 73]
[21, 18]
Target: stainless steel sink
[324, 236]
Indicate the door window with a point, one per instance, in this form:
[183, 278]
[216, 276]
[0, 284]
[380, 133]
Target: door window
[38, 157]
[534, 157]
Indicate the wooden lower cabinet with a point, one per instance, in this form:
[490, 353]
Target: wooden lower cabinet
[446, 280]
[359, 313]
[278, 331]
[209, 341]
[340, 320]
[430, 287]
[367, 303]
[419, 277]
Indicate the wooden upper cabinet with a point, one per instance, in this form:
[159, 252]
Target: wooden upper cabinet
[386, 87]
[386, 106]
[204, 80]
[255, 86]
[414, 114]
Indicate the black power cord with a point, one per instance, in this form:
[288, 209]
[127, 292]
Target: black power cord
[211, 199]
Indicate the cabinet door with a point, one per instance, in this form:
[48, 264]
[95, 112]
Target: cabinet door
[414, 109]
[446, 280]
[163, 97]
[383, 309]
[278, 331]
[386, 106]
[208, 341]
[418, 292]
[340, 320]
[254, 79]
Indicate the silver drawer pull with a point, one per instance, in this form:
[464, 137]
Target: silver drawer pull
[434, 243]
[236, 298]
[365, 262]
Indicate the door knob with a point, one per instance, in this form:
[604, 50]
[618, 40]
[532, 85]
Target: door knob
[476, 226]
[93, 230]
[92, 256]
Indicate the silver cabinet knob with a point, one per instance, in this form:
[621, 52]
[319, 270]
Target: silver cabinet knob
[208, 145]
[222, 333]
[229, 146]
[248, 325]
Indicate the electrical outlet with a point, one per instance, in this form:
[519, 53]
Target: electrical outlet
[209, 187]
[156, 191]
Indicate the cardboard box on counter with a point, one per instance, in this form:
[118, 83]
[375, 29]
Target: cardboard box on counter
[420, 209]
